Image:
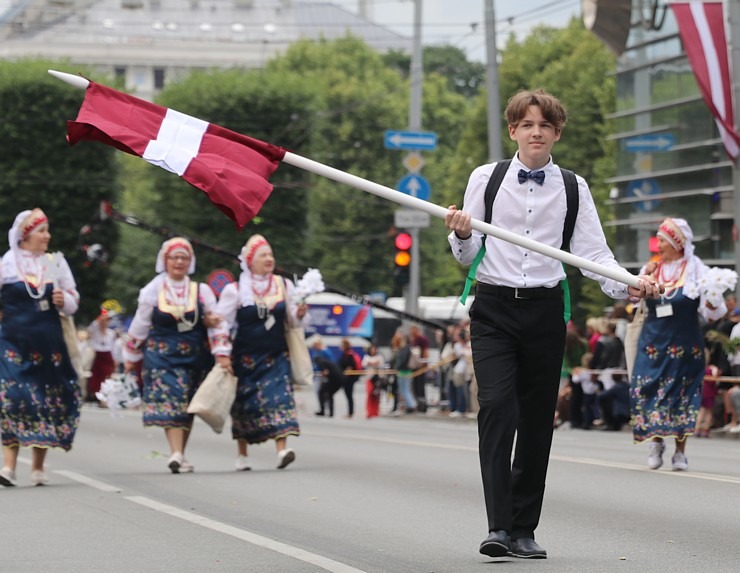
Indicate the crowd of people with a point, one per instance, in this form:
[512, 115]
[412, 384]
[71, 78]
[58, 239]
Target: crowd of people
[406, 378]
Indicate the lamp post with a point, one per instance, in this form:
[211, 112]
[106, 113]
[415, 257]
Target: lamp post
[733, 17]
[495, 152]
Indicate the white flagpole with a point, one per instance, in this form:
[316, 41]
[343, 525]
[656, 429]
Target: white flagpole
[437, 211]
[619, 275]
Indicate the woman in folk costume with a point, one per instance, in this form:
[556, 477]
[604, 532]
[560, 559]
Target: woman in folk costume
[39, 395]
[170, 334]
[665, 391]
[257, 308]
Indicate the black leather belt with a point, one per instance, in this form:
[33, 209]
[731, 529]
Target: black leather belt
[520, 293]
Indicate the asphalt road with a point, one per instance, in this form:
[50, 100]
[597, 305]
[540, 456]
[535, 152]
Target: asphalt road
[392, 494]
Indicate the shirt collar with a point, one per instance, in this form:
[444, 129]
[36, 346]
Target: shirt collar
[517, 164]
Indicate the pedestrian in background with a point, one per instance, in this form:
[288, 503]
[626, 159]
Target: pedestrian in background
[257, 310]
[613, 398]
[665, 390]
[372, 362]
[587, 381]
[318, 349]
[419, 347]
[351, 361]
[332, 380]
[39, 394]
[517, 326]
[400, 363]
[709, 392]
[102, 339]
[169, 336]
[462, 373]
[570, 395]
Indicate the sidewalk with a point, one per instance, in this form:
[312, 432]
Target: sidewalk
[307, 404]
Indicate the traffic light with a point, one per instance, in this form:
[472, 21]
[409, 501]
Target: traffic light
[402, 259]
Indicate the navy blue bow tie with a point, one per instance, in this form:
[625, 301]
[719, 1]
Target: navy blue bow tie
[537, 176]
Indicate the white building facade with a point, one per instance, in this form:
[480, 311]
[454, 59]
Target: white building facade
[151, 42]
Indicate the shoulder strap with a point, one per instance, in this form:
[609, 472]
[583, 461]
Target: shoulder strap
[571, 200]
[494, 182]
[571, 197]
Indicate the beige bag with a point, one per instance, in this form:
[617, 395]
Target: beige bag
[301, 367]
[213, 400]
[69, 332]
[632, 336]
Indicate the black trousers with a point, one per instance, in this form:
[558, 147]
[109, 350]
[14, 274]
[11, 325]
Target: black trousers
[518, 347]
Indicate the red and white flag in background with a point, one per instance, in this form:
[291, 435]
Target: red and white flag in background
[702, 29]
[232, 169]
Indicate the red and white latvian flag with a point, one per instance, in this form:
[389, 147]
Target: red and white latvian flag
[702, 29]
[232, 169]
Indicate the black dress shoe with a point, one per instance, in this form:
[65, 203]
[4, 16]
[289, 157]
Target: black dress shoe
[527, 548]
[496, 544]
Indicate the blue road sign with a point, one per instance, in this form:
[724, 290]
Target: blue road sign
[415, 185]
[644, 188]
[423, 140]
[649, 143]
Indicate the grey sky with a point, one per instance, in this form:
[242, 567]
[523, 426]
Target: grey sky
[450, 21]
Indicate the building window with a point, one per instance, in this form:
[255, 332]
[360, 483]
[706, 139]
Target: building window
[120, 72]
[158, 78]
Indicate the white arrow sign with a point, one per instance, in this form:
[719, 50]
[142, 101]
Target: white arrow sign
[426, 140]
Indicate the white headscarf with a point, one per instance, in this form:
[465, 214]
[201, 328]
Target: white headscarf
[171, 246]
[247, 278]
[679, 234]
[18, 231]
[14, 235]
[14, 259]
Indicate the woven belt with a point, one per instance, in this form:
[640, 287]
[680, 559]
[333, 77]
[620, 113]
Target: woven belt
[520, 293]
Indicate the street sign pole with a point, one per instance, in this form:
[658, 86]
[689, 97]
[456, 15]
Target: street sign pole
[413, 288]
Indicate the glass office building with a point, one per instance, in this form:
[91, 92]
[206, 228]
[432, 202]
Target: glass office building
[670, 159]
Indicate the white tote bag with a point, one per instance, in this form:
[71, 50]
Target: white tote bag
[301, 367]
[214, 398]
[632, 336]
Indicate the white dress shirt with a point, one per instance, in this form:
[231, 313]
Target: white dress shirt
[536, 212]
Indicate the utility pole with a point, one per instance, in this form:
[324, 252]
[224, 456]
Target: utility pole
[362, 8]
[495, 152]
[733, 16]
[413, 288]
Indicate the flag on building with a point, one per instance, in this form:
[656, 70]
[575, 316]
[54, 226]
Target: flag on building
[232, 169]
[702, 29]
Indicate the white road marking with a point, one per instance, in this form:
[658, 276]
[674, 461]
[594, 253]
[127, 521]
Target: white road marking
[567, 459]
[88, 481]
[633, 467]
[265, 542]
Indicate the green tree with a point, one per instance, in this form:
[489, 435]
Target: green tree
[351, 231]
[463, 76]
[360, 99]
[40, 170]
[272, 107]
